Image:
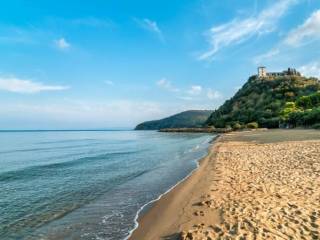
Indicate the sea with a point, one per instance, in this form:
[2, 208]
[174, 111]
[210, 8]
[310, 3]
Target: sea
[88, 184]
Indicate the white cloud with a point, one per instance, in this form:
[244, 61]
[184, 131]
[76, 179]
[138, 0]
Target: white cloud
[195, 93]
[240, 30]
[213, 94]
[13, 84]
[305, 33]
[165, 84]
[62, 44]
[88, 114]
[195, 90]
[311, 69]
[83, 113]
[150, 26]
[266, 56]
[110, 83]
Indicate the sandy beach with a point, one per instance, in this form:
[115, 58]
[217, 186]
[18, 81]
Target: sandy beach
[252, 185]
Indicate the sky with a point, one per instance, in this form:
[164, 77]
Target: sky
[115, 63]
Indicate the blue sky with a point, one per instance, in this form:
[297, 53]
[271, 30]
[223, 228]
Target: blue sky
[103, 64]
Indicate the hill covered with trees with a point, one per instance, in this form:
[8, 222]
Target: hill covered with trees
[271, 102]
[187, 119]
[304, 112]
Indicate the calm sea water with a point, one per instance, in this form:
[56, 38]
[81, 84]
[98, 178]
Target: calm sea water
[87, 184]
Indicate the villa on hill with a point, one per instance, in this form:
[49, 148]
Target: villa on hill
[262, 72]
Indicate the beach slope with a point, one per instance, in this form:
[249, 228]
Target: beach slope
[252, 185]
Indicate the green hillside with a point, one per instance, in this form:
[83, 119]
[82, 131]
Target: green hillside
[304, 112]
[189, 119]
[269, 101]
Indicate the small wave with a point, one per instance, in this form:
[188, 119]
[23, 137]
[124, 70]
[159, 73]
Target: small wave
[197, 147]
[68, 141]
[114, 213]
[197, 161]
[48, 148]
[136, 223]
[60, 205]
[45, 170]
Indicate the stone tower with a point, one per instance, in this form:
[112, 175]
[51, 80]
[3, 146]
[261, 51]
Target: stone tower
[262, 72]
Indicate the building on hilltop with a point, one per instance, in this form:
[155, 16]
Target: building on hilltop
[262, 72]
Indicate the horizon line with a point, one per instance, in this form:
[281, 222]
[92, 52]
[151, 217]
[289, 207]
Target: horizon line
[65, 130]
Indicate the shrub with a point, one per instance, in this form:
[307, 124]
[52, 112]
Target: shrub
[252, 125]
[316, 126]
[236, 126]
[228, 127]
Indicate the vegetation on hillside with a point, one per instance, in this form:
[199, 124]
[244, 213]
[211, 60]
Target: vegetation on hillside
[304, 112]
[270, 102]
[187, 119]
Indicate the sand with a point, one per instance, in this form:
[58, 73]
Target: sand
[252, 185]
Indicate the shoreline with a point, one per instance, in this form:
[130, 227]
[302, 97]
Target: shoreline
[216, 199]
[139, 232]
[196, 130]
[151, 203]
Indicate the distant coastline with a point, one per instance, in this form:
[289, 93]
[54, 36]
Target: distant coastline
[186, 119]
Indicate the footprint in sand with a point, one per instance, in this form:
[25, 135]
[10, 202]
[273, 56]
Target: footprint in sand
[199, 213]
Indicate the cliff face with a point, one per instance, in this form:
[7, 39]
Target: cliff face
[187, 119]
[262, 100]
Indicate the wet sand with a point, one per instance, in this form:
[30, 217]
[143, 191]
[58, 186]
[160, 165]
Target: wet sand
[252, 185]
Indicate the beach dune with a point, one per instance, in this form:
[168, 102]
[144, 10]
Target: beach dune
[252, 185]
